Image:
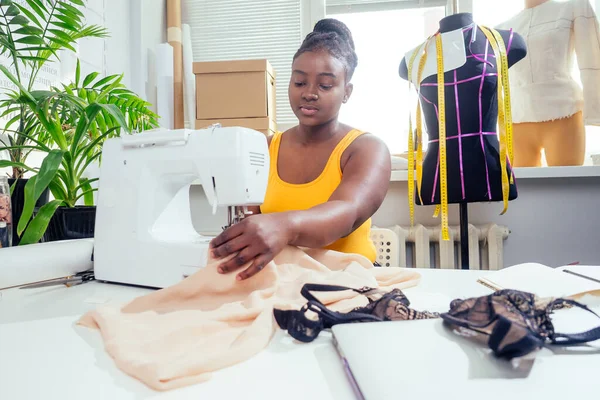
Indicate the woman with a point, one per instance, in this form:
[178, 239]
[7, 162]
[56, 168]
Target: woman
[326, 179]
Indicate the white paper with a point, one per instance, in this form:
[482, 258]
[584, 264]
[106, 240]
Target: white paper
[189, 81]
[164, 85]
[35, 262]
[541, 280]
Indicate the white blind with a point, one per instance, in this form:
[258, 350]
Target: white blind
[353, 6]
[251, 29]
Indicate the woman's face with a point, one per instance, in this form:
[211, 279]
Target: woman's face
[317, 87]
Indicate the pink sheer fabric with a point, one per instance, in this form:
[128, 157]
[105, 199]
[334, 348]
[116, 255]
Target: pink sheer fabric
[179, 335]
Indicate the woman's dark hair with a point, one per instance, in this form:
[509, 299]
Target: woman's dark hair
[334, 37]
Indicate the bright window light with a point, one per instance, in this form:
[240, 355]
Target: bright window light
[380, 101]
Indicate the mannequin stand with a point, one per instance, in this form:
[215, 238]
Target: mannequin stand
[464, 235]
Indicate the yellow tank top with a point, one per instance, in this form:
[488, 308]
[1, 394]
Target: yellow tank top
[283, 196]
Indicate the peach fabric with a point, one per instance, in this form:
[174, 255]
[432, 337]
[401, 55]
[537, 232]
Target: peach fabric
[178, 336]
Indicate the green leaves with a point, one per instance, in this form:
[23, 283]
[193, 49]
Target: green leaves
[12, 11]
[134, 113]
[87, 191]
[18, 20]
[16, 81]
[10, 164]
[31, 40]
[29, 30]
[45, 28]
[37, 184]
[69, 123]
[89, 79]
[32, 18]
[77, 73]
[39, 224]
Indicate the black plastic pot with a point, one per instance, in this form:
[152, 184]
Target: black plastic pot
[71, 223]
[18, 201]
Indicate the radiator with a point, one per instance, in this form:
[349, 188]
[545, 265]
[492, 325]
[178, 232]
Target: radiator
[422, 247]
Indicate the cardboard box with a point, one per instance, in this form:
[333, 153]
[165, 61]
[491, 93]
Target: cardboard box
[235, 89]
[264, 125]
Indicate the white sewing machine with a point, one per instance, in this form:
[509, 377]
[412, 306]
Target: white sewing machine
[144, 233]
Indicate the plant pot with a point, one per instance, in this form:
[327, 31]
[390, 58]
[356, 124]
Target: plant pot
[18, 202]
[71, 223]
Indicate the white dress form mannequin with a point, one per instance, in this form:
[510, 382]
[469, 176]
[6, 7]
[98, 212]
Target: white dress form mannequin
[554, 122]
[559, 148]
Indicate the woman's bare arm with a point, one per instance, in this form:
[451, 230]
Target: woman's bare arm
[365, 182]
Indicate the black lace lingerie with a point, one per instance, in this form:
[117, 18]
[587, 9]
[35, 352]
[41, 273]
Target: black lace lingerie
[510, 322]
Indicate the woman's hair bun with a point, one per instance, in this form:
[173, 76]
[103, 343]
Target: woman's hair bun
[331, 25]
[333, 36]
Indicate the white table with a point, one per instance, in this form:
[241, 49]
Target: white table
[44, 356]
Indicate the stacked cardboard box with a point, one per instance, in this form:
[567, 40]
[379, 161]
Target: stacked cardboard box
[236, 93]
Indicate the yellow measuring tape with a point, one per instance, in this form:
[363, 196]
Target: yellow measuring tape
[504, 110]
[504, 122]
[442, 134]
[419, 134]
[411, 157]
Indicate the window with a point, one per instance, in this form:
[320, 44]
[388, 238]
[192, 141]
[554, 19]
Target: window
[383, 31]
[380, 101]
[234, 30]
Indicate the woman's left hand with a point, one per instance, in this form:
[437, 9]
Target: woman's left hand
[257, 239]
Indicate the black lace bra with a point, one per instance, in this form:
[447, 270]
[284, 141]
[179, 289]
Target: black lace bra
[510, 322]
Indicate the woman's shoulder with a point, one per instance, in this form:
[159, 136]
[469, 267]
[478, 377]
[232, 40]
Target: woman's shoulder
[368, 147]
[367, 141]
[273, 135]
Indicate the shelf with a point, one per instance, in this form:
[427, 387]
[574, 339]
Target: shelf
[532, 173]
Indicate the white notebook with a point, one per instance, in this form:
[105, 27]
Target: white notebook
[544, 281]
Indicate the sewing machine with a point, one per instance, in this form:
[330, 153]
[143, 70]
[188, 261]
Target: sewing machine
[144, 233]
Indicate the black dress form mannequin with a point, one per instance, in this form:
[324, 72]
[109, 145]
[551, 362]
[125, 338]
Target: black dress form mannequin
[472, 148]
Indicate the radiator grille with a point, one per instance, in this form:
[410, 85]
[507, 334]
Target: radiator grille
[422, 247]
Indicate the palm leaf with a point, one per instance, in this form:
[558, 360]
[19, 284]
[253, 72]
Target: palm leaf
[30, 15]
[38, 7]
[90, 78]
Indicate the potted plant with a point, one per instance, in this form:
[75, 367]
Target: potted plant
[32, 33]
[76, 120]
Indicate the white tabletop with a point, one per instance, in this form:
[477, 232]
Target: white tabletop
[44, 356]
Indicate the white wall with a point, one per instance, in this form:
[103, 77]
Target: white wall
[110, 55]
[118, 50]
[136, 27]
[148, 27]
